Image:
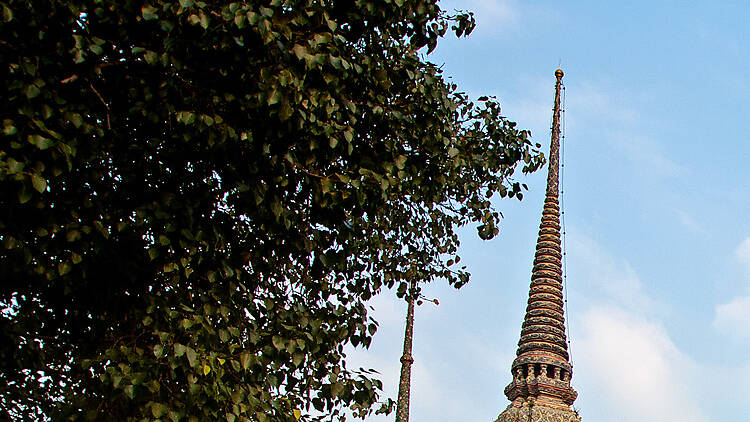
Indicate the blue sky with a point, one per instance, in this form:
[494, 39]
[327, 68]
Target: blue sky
[656, 200]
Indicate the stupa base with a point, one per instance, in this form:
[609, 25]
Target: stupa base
[537, 411]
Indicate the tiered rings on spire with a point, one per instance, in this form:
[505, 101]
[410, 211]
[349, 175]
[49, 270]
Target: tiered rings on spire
[542, 369]
[544, 326]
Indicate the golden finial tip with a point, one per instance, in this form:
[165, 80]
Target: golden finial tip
[559, 73]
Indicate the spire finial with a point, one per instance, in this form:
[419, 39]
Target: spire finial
[554, 148]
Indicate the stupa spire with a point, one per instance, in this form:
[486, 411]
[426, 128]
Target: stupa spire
[542, 370]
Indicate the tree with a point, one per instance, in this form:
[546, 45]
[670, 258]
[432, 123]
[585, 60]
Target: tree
[198, 199]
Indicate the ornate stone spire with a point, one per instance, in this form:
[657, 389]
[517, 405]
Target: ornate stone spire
[541, 371]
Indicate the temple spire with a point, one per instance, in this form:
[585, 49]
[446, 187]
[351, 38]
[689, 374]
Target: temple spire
[542, 370]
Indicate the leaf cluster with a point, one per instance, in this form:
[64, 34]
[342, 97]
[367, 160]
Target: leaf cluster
[198, 198]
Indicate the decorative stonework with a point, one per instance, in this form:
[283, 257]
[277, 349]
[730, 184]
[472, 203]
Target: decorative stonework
[531, 411]
[540, 390]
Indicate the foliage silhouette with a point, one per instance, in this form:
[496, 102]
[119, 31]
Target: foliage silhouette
[199, 198]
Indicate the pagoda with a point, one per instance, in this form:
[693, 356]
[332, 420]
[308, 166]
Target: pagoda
[540, 390]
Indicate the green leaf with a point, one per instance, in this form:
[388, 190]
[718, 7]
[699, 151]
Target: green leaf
[203, 20]
[158, 409]
[8, 127]
[192, 357]
[265, 11]
[77, 120]
[9, 242]
[245, 360]
[300, 51]
[149, 12]
[276, 208]
[43, 143]
[116, 380]
[151, 57]
[252, 17]
[7, 14]
[349, 134]
[297, 358]
[14, 166]
[158, 350]
[278, 342]
[24, 194]
[326, 185]
[206, 369]
[186, 117]
[179, 349]
[32, 91]
[275, 97]
[207, 120]
[337, 388]
[64, 267]
[400, 162]
[273, 380]
[39, 183]
[239, 20]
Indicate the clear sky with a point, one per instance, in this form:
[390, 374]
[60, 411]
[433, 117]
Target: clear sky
[656, 200]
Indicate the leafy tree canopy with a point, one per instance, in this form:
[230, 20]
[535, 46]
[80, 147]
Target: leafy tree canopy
[197, 199]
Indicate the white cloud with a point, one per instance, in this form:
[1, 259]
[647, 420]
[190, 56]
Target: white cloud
[742, 253]
[626, 363]
[631, 363]
[600, 278]
[732, 317]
